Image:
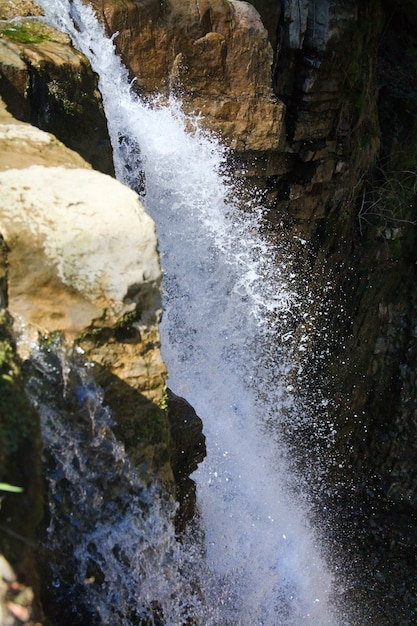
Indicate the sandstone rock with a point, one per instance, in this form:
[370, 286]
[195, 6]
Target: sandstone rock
[62, 227]
[83, 256]
[217, 56]
[23, 145]
[13, 8]
[214, 54]
[82, 260]
[270, 13]
[43, 80]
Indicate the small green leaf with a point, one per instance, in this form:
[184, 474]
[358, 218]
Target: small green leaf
[12, 488]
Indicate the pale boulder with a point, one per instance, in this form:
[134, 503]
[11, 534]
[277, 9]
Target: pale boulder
[82, 257]
[82, 248]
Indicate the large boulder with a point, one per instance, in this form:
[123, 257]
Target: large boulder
[45, 81]
[82, 249]
[215, 54]
[82, 261]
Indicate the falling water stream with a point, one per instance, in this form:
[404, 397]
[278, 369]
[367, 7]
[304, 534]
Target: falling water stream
[229, 299]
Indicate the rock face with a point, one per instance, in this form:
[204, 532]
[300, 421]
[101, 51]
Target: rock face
[69, 222]
[273, 90]
[215, 54]
[331, 116]
[44, 81]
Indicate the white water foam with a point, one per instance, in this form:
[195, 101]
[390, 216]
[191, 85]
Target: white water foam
[227, 297]
[110, 545]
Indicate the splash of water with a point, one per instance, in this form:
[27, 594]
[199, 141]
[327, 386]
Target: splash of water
[110, 544]
[228, 296]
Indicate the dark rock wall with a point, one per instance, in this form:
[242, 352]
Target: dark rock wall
[341, 177]
[351, 191]
[324, 72]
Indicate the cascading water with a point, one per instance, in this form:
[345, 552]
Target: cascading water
[120, 561]
[227, 297]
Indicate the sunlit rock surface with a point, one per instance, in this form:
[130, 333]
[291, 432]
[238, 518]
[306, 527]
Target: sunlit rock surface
[214, 54]
[266, 77]
[44, 81]
[23, 145]
[83, 261]
[82, 250]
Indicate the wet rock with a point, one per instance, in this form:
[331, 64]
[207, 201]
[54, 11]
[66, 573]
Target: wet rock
[20, 511]
[266, 77]
[186, 430]
[187, 450]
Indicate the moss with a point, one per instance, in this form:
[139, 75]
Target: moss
[94, 337]
[125, 330]
[59, 92]
[164, 400]
[153, 429]
[27, 31]
[140, 422]
[51, 340]
[22, 34]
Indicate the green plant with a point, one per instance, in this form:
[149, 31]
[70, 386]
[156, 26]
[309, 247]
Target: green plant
[70, 107]
[163, 405]
[24, 32]
[10, 488]
[15, 414]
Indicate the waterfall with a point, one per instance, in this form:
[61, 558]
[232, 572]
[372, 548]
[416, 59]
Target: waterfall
[230, 298]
